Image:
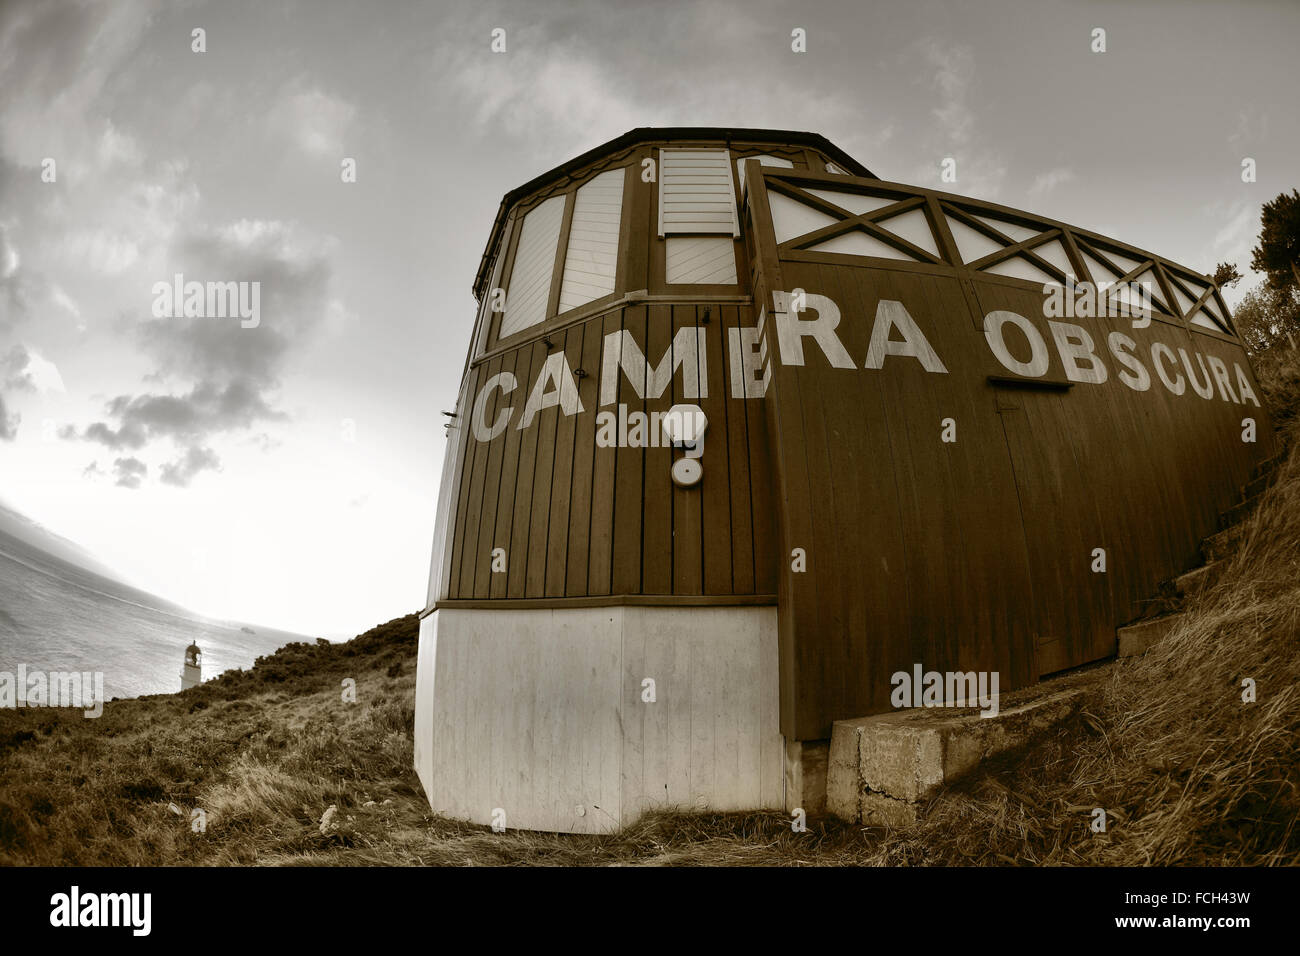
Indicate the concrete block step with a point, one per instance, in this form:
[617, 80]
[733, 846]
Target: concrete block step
[883, 768]
[1136, 638]
[1194, 580]
[1238, 512]
[1218, 546]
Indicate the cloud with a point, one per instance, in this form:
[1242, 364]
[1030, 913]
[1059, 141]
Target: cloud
[954, 71]
[8, 423]
[1045, 182]
[92, 471]
[313, 119]
[100, 251]
[24, 295]
[129, 472]
[22, 370]
[13, 370]
[951, 74]
[207, 409]
[56, 61]
[215, 377]
[195, 460]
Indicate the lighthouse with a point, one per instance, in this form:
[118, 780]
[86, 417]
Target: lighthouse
[191, 674]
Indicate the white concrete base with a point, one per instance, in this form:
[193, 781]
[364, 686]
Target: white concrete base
[536, 719]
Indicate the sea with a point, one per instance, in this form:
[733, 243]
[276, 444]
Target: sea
[56, 615]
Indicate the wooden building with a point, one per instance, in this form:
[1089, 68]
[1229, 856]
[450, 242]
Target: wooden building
[928, 422]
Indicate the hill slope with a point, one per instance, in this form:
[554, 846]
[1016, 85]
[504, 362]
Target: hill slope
[1187, 771]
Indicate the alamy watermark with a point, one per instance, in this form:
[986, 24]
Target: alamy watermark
[81, 689]
[1098, 300]
[208, 300]
[946, 689]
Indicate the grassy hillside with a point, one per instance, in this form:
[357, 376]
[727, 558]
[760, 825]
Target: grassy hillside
[1188, 773]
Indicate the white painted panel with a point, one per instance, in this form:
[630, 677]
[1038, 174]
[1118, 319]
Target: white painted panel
[1013, 230]
[539, 712]
[1184, 300]
[423, 732]
[1099, 272]
[1208, 315]
[1152, 284]
[852, 202]
[696, 192]
[1127, 263]
[530, 277]
[971, 244]
[763, 160]
[591, 259]
[1212, 307]
[791, 218]
[858, 243]
[1054, 253]
[914, 227]
[1018, 268]
[700, 259]
[711, 739]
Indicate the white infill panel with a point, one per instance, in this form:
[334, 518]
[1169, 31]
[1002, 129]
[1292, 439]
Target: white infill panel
[791, 218]
[858, 243]
[764, 160]
[700, 259]
[696, 193]
[530, 278]
[971, 244]
[914, 227]
[852, 202]
[591, 260]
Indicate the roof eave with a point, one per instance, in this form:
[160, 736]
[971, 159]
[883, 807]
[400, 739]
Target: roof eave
[644, 134]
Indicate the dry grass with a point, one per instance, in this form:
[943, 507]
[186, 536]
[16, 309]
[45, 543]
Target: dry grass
[1187, 772]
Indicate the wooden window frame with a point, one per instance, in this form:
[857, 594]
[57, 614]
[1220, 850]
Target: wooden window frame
[568, 189]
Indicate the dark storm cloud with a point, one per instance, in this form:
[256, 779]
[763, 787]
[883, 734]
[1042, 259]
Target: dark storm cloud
[235, 370]
[294, 272]
[195, 460]
[129, 472]
[13, 377]
[16, 293]
[8, 423]
[13, 370]
[207, 409]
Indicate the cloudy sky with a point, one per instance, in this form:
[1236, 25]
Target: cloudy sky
[286, 474]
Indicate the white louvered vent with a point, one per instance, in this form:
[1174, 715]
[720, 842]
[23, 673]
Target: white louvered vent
[530, 278]
[696, 193]
[592, 257]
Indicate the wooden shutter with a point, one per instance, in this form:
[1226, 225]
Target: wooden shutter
[530, 278]
[592, 256]
[696, 193]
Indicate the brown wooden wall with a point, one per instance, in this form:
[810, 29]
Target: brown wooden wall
[577, 520]
[974, 555]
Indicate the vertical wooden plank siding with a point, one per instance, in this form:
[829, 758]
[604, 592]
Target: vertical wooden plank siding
[658, 500]
[687, 517]
[885, 545]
